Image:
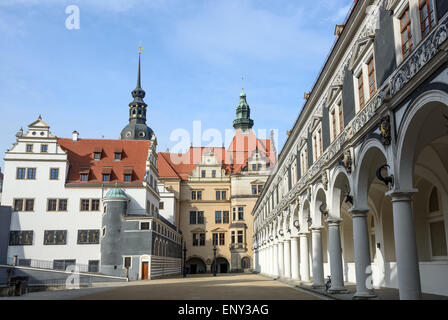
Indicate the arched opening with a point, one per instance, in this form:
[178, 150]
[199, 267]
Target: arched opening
[222, 265]
[195, 265]
[423, 165]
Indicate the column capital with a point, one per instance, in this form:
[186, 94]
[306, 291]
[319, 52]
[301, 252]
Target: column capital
[334, 221]
[316, 229]
[358, 212]
[304, 234]
[401, 195]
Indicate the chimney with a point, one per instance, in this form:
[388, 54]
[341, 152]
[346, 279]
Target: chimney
[75, 136]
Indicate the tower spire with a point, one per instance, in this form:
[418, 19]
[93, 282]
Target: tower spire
[139, 85]
[243, 120]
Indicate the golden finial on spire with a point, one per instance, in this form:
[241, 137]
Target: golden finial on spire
[140, 48]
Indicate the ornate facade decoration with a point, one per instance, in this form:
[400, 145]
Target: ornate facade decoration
[385, 129]
[348, 161]
[325, 180]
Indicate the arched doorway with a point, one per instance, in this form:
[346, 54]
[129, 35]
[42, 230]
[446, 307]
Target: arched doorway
[195, 265]
[245, 263]
[222, 265]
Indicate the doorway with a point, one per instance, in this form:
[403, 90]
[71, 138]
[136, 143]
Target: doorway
[145, 270]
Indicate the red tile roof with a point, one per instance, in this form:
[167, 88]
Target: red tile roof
[180, 166]
[80, 157]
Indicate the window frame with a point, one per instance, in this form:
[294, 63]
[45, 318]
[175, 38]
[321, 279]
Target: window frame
[51, 177]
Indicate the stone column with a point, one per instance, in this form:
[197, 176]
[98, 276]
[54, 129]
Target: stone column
[318, 259]
[295, 273]
[287, 258]
[275, 256]
[281, 262]
[337, 273]
[304, 258]
[405, 247]
[362, 254]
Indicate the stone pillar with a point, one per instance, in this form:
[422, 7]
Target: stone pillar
[318, 258]
[362, 254]
[405, 247]
[287, 258]
[262, 264]
[271, 259]
[281, 262]
[304, 258]
[275, 256]
[295, 272]
[337, 273]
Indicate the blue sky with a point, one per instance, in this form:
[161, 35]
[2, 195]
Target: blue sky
[196, 52]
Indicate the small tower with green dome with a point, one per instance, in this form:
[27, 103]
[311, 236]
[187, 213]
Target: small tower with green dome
[243, 120]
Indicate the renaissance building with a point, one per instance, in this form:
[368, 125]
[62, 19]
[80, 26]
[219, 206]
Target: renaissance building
[360, 192]
[212, 192]
[93, 203]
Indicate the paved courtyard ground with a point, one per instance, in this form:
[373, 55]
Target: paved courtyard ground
[203, 287]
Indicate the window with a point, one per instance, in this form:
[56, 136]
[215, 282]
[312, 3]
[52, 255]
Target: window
[218, 239]
[213, 173]
[341, 116]
[233, 237]
[226, 217]
[29, 205]
[317, 144]
[127, 178]
[215, 239]
[362, 100]
[63, 264]
[240, 213]
[218, 217]
[21, 238]
[31, 173]
[193, 217]
[199, 239]
[259, 166]
[196, 195]
[117, 156]
[94, 266]
[240, 236]
[55, 237]
[203, 173]
[18, 205]
[427, 16]
[372, 84]
[44, 148]
[127, 262]
[90, 205]
[62, 205]
[21, 173]
[254, 189]
[97, 156]
[406, 36]
[144, 226]
[52, 204]
[88, 236]
[200, 217]
[333, 125]
[304, 159]
[434, 201]
[161, 205]
[222, 239]
[29, 148]
[54, 174]
[221, 195]
[84, 177]
[254, 167]
[106, 177]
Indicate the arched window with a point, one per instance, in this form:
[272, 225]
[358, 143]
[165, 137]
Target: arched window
[245, 263]
[434, 201]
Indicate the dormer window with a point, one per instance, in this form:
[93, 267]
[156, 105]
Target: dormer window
[117, 154]
[127, 172]
[97, 154]
[107, 172]
[84, 174]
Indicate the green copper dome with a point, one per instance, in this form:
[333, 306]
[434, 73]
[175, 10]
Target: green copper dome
[116, 193]
[243, 120]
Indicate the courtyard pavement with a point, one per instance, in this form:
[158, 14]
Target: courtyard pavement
[197, 287]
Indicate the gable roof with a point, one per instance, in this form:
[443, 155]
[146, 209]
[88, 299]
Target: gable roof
[80, 157]
[233, 160]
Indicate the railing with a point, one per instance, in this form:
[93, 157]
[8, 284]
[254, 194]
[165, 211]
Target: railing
[50, 265]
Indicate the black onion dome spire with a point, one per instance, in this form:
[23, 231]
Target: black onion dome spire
[243, 120]
[137, 128]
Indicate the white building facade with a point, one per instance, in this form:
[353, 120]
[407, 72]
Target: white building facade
[360, 192]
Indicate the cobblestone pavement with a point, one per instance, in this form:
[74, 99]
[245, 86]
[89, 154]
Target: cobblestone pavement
[205, 287]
